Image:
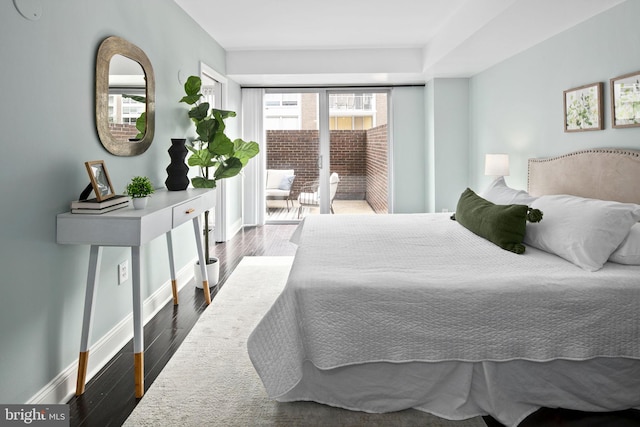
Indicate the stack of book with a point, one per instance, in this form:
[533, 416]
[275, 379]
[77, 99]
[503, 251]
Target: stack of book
[93, 206]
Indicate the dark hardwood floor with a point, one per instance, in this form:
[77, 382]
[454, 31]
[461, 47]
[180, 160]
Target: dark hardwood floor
[546, 417]
[109, 399]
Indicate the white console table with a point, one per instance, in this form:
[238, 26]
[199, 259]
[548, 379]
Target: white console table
[132, 228]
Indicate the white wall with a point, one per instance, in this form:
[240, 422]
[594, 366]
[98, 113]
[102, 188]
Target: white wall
[516, 106]
[232, 188]
[48, 132]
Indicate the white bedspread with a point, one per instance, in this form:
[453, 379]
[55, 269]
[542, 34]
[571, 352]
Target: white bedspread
[420, 287]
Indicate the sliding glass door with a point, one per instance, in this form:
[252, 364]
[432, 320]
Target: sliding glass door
[358, 147]
[334, 142]
[291, 122]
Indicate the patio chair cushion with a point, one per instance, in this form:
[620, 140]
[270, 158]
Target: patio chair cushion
[274, 192]
[309, 198]
[275, 176]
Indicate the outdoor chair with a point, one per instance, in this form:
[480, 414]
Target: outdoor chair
[310, 193]
[279, 184]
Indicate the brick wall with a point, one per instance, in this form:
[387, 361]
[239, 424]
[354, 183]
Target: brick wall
[358, 157]
[123, 132]
[348, 160]
[377, 167]
[309, 112]
[294, 149]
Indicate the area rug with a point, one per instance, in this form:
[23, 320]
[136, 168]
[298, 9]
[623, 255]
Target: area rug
[210, 381]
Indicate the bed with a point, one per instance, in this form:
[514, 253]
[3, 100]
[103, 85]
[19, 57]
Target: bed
[385, 313]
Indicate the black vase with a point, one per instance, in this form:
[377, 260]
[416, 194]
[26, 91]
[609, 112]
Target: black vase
[177, 170]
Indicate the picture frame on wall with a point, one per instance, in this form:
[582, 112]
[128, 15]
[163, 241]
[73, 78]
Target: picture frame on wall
[100, 181]
[583, 108]
[625, 100]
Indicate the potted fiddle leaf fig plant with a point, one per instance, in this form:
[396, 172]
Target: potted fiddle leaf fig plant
[214, 154]
[139, 188]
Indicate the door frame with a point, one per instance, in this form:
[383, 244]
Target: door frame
[324, 136]
[220, 233]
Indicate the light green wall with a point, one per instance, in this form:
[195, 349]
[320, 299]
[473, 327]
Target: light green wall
[516, 106]
[48, 132]
[408, 150]
[447, 130]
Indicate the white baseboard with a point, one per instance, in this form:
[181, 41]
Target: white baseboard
[235, 228]
[63, 386]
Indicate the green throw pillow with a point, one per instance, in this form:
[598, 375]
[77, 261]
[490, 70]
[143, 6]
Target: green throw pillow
[504, 225]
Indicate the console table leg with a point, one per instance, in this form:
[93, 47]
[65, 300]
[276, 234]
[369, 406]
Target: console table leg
[95, 255]
[172, 268]
[203, 264]
[138, 329]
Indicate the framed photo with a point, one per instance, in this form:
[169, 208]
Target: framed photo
[625, 100]
[583, 108]
[100, 180]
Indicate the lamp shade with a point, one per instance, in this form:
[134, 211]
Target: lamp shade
[496, 164]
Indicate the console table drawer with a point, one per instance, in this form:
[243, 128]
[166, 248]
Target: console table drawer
[186, 211]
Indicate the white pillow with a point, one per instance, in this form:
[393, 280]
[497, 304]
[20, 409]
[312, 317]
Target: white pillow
[500, 193]
[583, 231]
[629, 250]
[286, 182]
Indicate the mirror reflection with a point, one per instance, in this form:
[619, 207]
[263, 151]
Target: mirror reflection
[127, 99]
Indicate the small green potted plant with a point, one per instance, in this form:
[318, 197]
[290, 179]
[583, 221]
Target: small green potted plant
[139, 188]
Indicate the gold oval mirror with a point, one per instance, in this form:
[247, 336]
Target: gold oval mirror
[125, 98]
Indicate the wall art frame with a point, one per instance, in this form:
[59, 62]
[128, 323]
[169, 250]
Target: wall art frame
[100, 181]
[584, 108]
[625, 100]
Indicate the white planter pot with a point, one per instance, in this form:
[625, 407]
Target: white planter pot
[140, 202]
[213, 273]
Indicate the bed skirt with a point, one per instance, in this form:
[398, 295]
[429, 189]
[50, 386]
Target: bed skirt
[508, 391]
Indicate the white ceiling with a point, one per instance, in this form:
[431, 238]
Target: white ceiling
[306, 42]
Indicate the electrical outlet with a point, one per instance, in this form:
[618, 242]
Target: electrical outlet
[123, 272]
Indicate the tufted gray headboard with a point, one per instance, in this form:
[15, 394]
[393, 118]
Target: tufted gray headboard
[603, 173]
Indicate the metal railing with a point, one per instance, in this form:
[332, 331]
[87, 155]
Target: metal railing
[351, 102]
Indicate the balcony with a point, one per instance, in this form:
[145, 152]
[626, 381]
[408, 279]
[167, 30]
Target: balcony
[359, 157]
[352, 103]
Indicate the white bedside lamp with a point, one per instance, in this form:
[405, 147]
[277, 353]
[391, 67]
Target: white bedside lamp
[496, 165]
